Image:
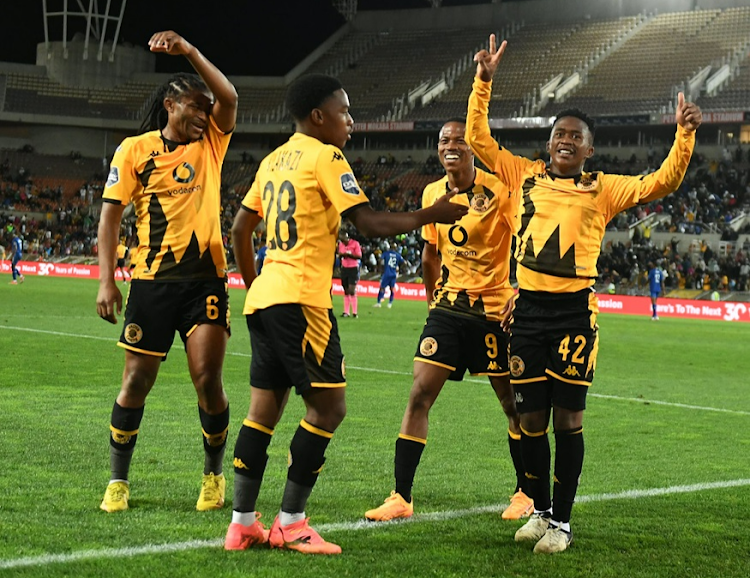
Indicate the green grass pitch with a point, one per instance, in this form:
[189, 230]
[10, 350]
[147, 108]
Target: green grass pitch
[665, 490]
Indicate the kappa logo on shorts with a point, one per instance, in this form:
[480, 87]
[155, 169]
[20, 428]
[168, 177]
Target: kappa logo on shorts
[517, 366]
[133, 333]
[519, 397]
[428, 347]
[572, 371]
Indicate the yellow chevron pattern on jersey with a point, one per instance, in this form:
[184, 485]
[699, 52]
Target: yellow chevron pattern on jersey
[176, 196]
[301, 189]
[560, 222]
[475, 251]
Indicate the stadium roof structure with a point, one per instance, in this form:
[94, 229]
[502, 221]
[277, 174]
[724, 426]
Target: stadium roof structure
[99, 22]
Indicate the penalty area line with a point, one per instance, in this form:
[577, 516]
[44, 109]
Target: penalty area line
[120, 553]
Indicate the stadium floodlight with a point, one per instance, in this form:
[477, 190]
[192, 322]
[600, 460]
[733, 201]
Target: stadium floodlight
[347, 8]
[98, 21]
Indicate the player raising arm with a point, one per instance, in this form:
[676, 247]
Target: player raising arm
[560, 219]
[466, 269]
[171, 172]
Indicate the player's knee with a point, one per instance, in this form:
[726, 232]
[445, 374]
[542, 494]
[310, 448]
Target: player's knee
[508, 403]
[534, 422]
[136, 384]
[208, 383]
[421, 398]
[333, 417]
[327, 416]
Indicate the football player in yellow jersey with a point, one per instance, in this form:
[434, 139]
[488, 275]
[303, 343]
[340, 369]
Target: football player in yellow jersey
[301, 191]
[171, 173]
[122, 253]
[466, 274]
[560, 219]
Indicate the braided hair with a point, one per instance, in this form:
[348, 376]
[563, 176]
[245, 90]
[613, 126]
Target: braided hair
[175, 87]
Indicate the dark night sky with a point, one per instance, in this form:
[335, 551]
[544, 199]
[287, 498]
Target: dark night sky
[242, 37]
[251, 37]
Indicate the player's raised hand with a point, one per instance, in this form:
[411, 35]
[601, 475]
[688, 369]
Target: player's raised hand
[688, 114]
[170, 42]
[443, 211]
[488, 60]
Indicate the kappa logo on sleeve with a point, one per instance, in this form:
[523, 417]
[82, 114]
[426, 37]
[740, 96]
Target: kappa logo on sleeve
[114, 176]
[349, 184]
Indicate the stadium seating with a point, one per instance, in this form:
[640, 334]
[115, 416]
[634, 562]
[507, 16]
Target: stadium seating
[33, 94]
[632, 79]
[618, 60]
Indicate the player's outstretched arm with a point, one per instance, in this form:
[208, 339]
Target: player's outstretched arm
[626, 192]
[225, 107]
[383, 224]
[244, 225]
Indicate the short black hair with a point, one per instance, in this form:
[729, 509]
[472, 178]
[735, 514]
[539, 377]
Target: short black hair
[579, 114]
[458, 119]
[309, 92]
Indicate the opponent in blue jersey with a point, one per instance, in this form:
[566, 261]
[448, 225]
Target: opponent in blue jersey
[16, 252]
[260, 257]
[391, 261]
[655, 287]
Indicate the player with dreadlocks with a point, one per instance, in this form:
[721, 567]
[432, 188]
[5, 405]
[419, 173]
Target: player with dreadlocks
[171, 172]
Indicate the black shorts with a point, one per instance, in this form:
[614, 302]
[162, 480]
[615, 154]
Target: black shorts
[553, 347]
[460, 343]
[156, 309]
[349, 276]
[295, 346]
[120, 263]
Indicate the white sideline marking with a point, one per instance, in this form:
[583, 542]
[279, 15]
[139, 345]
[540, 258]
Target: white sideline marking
[119, 553]
[392, 372]
[61, 333]
[670, 403]
[599, 395]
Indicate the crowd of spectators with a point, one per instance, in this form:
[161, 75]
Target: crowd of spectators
[713, 195]
[624, 270]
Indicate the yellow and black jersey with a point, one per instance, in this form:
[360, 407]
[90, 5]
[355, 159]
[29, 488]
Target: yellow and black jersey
[560, 221]
[122, 251]
[301, 190]
[175, 190]
[475, 251]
